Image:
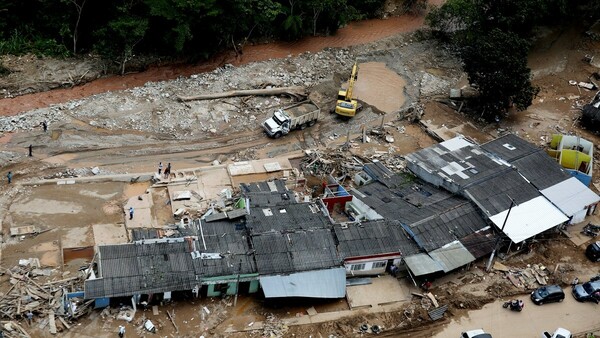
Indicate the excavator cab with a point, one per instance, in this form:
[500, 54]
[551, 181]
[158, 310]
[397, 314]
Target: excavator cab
[346, 104]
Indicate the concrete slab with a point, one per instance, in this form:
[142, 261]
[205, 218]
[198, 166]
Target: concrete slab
[142, 215]
[383, 290]
[573, 231]
[177, 189]
[211, 181]
[23, 230]
[105, 234]
[259, 166]
[78, 237]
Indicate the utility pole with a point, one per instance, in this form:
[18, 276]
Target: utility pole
[489, 264]
[237, 284]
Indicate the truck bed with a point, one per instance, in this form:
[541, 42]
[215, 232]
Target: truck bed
[301, 109]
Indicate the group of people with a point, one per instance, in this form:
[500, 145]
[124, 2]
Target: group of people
[167, 172]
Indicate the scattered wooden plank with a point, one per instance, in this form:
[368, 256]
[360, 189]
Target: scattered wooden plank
[432, 298]
[500, 267]
[64, 322]
[420, 295]
[311, 311]
[172, 321]
[23, 332]
[514, 280]
[155, 310]
[51, 322]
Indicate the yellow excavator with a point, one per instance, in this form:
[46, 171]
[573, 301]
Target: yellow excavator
[347, 105]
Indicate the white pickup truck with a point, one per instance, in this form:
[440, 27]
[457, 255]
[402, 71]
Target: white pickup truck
[298, 116]
[559, 333]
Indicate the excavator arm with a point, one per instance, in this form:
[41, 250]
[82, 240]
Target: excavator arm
[351, 82]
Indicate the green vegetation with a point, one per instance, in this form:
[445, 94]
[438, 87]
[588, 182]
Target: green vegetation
[176, 28]
[494, 38]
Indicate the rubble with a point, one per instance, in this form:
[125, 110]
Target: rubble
[528, 278]
[43, 302]
[273, 327]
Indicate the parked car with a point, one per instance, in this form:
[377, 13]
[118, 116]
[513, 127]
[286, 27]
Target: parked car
[547, 294]
[559, 333]
[593, 252]
[587, 292]
[478, 333]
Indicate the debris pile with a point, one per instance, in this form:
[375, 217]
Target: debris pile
[528, 278]
[273, 327]
[50, 304]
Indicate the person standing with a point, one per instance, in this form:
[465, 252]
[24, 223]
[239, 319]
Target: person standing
[168, 170]
[130, 212]
[121, 331]
[30, 150]
[159, 168]
[9, 177]
[45, 126]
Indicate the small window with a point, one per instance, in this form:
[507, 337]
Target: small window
[166, 257]
[379, 264]
[356, 267]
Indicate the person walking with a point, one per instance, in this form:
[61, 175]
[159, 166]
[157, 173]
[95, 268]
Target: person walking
[130, 212]
[121, 331]
[159, 168]
[9, 177]
[30, 150]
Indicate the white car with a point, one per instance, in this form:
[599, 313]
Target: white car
[559, 333]
[479, 333]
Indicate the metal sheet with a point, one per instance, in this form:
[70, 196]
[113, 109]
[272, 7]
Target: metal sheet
[529, 219]
[452, 256]
[330, 283]
[570, 196]
[421, 264]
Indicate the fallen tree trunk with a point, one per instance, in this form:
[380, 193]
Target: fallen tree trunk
[297, 92]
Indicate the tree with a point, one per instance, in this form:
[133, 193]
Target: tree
[496, 63]
[494, 40]
[121, 35]
[79, 8]
[292, 25]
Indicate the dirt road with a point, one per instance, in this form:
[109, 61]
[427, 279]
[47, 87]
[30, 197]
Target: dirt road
[531, 322]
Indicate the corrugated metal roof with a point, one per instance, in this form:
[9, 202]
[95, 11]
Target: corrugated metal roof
[330, 283]
[452, 256]
[168, 265]
[570, 196]
[529, 219]
[541, 170]
[435, 217]
[480, 243]
[373, 238]
[510, 147]
[422, 264]
[286, 218]
[277, 252]
[493, 195]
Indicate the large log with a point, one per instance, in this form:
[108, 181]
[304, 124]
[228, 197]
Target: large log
[298, 92]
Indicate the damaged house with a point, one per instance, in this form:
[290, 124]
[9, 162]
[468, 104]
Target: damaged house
[425, 230]
[216, 261]
[502, 176]
[293, 245]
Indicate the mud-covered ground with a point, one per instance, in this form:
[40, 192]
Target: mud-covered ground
[132, 129]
